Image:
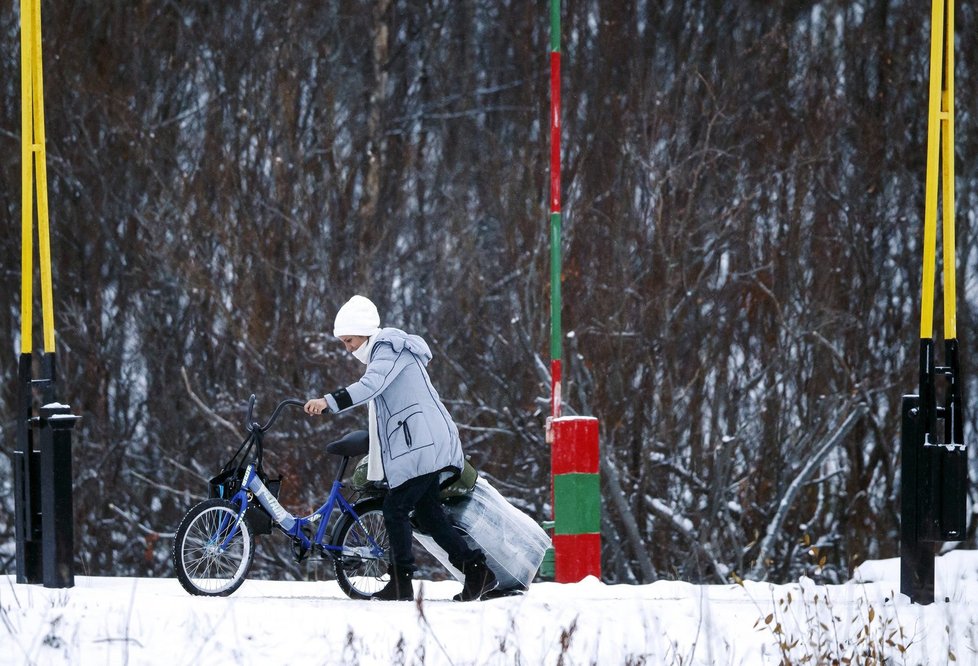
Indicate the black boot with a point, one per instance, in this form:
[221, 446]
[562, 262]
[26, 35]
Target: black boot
[479, 579]
[398, 588]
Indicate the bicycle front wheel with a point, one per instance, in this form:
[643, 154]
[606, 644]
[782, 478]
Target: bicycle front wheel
[206, 561]
[362, 566]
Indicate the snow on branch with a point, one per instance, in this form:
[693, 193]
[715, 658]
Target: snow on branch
[617, 497]
[221, 421]
[759, 572]
[684, 526]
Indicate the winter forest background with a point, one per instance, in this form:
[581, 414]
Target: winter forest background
[743, 197]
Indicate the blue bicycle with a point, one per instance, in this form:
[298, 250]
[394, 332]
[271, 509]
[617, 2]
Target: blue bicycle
[215, 543]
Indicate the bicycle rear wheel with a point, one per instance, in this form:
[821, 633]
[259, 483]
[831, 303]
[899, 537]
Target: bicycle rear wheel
[203, 566]
[362, 567]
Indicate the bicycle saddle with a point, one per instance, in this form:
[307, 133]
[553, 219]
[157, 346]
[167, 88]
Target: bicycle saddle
[352, 444]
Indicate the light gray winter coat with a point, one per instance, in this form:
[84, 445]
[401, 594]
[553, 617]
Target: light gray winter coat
[417, 435]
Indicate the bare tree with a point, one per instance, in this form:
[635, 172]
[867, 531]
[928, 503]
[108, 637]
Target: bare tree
[743, 190]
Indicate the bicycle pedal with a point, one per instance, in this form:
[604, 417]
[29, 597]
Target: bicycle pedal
[299, 551]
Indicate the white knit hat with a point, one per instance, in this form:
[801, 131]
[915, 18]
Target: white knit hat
[358, 316]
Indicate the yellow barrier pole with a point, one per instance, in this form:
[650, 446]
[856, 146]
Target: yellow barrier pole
[947, 164]
[34, 172]
[41, 171]
[931, 184]
[27, 173]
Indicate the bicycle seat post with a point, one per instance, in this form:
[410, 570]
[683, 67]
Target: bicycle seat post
[342, 469]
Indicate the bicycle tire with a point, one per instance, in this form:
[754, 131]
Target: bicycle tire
[202, 569]
[359, 572]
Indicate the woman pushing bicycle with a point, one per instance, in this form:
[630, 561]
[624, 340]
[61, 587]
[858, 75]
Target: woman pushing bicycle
[414, 444]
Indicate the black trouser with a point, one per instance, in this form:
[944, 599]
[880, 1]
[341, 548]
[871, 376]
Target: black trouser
[421, 495]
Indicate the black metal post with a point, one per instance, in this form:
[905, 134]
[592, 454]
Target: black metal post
[953, 491]
[934, 471]
[27, 497]
[49, 387]
[916, 555]
[954, 455]
[954, 408]
[57, 525]
[927, 399]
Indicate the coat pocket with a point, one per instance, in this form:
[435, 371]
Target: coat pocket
[407, 431]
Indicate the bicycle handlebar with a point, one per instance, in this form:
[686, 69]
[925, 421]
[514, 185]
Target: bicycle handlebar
[254, 425]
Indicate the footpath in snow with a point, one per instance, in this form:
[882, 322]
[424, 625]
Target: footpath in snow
[153, 621]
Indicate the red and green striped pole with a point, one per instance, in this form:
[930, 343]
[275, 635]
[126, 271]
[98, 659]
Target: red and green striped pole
[555, 269]
[574, 440]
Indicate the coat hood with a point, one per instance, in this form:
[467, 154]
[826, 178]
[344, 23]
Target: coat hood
[400, 340]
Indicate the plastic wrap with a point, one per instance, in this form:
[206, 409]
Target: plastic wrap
[514, 544]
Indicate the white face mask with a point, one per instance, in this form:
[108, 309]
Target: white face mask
[362, 353]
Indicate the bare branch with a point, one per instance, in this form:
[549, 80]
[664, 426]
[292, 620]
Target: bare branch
[221, 421]
[774, 528]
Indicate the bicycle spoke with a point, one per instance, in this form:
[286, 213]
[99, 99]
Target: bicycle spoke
[361, 565]
[207, 566]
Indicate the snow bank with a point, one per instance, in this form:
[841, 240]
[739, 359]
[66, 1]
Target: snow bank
[153, 621]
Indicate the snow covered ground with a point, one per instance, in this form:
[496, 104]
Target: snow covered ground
[153, 621]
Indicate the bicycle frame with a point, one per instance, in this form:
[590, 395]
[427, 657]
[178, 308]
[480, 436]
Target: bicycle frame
[283, 518]
[252, 487]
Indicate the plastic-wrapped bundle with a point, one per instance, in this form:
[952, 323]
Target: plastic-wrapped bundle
[513, 543]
